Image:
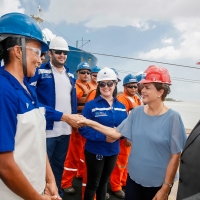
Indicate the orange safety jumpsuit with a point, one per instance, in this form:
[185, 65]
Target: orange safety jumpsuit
[74, 160]
[119, 174]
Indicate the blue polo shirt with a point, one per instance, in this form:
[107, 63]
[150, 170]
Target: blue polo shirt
[14, 100]
[100, 111]
[22, 131]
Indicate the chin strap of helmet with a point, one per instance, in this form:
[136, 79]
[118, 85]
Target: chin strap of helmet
[23, 44]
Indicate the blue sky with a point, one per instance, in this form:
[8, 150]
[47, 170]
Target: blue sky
[160, 30]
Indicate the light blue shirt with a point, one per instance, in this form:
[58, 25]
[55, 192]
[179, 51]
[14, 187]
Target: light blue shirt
[154, 139]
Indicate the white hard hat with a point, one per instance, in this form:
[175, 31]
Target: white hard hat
[106, 74]
[58, 43]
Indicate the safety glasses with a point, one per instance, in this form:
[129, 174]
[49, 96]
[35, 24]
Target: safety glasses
[84, 72]
[94, 75]
[59, 52]
[103, 84]
[132, 86]
[35, 50]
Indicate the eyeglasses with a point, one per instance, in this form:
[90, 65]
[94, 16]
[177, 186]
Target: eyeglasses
[103, 84]
[94, 75]
[132, 86]
[35, 50]
[84, 72]
[60, 52]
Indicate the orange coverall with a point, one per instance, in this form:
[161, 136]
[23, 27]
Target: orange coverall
[74, 162]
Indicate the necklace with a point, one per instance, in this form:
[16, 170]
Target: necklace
[157, 113]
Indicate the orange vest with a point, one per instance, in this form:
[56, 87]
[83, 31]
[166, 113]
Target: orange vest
[82, 95]
[129, 102]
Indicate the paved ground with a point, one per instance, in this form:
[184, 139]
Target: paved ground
[77, 196]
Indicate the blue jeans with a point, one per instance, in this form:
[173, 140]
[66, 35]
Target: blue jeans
[57, 149]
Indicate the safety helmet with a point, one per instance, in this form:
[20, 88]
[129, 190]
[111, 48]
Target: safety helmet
[129, 79]
[83, 65]
[95, 69]
[18, 24]
[156, 74]
[140, 75]
[58, 43]
[106, 74]
[116, 74]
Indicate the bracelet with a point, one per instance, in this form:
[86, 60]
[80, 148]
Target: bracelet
[169, 185]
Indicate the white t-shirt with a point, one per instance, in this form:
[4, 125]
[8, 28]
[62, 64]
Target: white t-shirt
[63, 89]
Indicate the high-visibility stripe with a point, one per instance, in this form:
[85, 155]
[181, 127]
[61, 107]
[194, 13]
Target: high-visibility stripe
[70, 169]
[44, 71]
[101, 109]
[84, 184]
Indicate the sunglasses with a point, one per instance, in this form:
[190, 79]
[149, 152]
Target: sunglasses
[60, 52]
[132, 86]
[94, 75]
[84, 72]
[103, 84]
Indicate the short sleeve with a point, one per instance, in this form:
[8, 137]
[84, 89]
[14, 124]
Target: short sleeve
[125, 128]
[178, 134]
[8, 122]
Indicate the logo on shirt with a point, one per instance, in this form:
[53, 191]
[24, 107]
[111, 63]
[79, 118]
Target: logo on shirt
[27, 105]
[100, 114]
[46, 75]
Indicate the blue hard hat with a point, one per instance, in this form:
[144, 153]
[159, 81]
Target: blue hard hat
[18, 24]
[140, 76]
[116, 74]
[130, 79]
[95, 69]
[83, 65]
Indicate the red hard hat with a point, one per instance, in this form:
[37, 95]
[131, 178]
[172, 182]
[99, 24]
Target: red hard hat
[156, 74]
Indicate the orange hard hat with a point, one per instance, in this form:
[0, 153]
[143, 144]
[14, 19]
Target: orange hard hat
[156, 74]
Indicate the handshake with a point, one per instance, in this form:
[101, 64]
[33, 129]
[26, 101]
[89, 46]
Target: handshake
[72, 120]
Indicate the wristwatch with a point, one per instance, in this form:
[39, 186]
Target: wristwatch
[169, 185]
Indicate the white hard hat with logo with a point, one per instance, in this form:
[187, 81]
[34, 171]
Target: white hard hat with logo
[58, 43]
[106, 74]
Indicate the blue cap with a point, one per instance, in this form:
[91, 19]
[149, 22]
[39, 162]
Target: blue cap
[18, 24]
[130, 79]
[95, 69]
[83, 65]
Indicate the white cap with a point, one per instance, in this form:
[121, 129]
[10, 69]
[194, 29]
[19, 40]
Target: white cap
[58, 43]
[106, 74]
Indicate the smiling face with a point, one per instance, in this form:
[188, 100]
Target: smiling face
[131, 89]
[150, 93]
[83, 75]
[58, 60]
[107, 91]
[33, 59]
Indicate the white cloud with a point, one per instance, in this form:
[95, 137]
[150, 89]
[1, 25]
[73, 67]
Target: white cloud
[137, 13]
[8, 6]
[189, 46]
[166, 52]
[167, 40]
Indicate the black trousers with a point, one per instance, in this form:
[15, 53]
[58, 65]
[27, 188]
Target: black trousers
[98, 173]
[136, 191]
